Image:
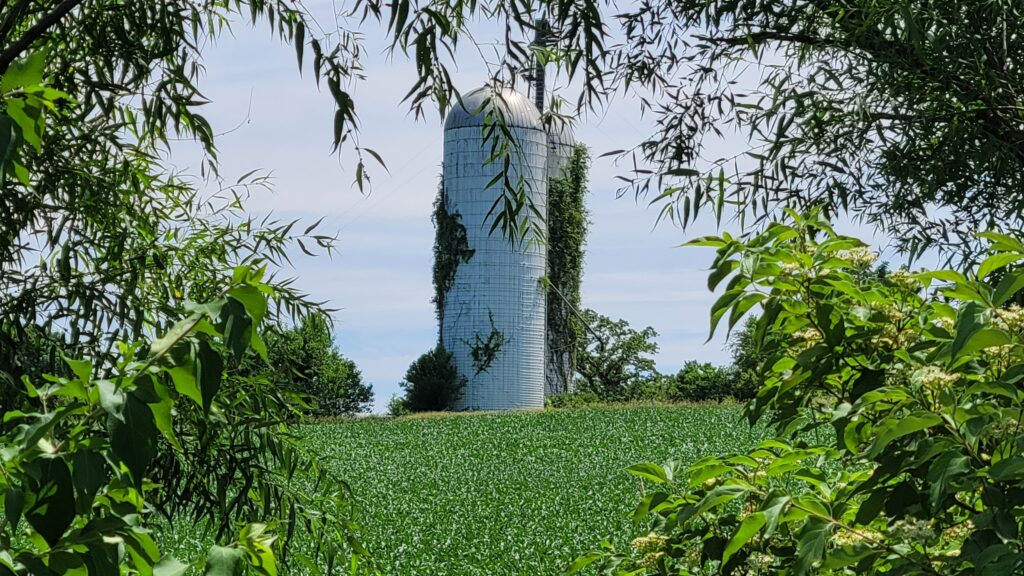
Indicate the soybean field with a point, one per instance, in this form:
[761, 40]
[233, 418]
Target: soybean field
[515, 493]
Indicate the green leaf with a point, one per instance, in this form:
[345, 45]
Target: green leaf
[713, 241]
[184, 377]
[584, 561]
[811, 546]
[651, 472]
[720, 272]
[111, 399]
[88, 470]
[969, 321]
[209, 371]
[718, 496]
[902, 426]
[1002, 242]
[25, 71]
[983, 339]
[1008, 470]
[750, 526]
[169, 566]
[223, 561]
[997, 262]
[254, 301]
[29, 119]
[942, 473]
[161, 345]
[81, 368]
[1011, 283]
[300, 41]
[133, 440]
[721, 306]
[237, 327]
[772, 508]
[8, 140]
[50, 499]
[14, 504]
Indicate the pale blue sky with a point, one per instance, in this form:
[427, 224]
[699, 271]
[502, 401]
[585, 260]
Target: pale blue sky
[380, 278]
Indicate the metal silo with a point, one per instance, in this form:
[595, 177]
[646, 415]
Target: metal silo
[497, 291]
[561, 146]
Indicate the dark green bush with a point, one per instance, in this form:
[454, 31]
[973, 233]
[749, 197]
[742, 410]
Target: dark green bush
[577, 399]
[704, 382]
[304, 360]
[896, 403]
[611, 357]
[432, 383]
[397, 406]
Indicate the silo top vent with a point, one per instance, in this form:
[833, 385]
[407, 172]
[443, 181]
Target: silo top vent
[518, 110]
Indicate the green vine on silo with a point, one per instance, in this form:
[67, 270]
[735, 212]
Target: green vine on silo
[451, 248]
[484, 351]
[567, 231]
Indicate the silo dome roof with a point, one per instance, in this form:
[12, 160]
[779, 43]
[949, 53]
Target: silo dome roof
[519, 111]
[560, 133]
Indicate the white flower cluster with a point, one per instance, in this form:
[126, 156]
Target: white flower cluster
[862, 257]
[1010, 319]
[945, 322]
[934, 378]
[650, 543]
[905, 281]
[958, 532]
[807, 335]
[650, 561]
[760, 561]
[914, 529]
[1004, 427]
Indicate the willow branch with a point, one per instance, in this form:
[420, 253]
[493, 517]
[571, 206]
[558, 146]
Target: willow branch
[45, 23]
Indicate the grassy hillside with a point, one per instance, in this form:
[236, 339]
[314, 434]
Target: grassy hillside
[504, 494]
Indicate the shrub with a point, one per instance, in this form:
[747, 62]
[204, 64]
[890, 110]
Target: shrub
[611, 357]
[167, 434]
[305, 360]
[432, 383]
[897, 404]
[703, 382]
[397, 406]
[577, 399]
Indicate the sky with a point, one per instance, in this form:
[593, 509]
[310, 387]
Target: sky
[379, 279]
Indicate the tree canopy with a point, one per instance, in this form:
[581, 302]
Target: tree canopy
[611, 356]
[905, 113]
[129, 298]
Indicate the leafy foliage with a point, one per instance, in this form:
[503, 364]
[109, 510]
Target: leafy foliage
[889, 109]
[612, 356]
[567, 232]
[484, 351]
[703, 382]
[78, 483]
[748, 359]
[304, 360]
[101, 247]
[521, 493]
[897, 406]
[432, 382]
[451, 248]
[100, 243]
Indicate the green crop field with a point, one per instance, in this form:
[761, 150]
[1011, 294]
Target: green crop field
[504, 494]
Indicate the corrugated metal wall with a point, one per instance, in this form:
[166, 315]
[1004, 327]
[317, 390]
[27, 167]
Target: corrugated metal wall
[501, 282]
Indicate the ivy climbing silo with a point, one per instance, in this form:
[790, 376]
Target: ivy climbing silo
[493, 306]
[563, 277]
